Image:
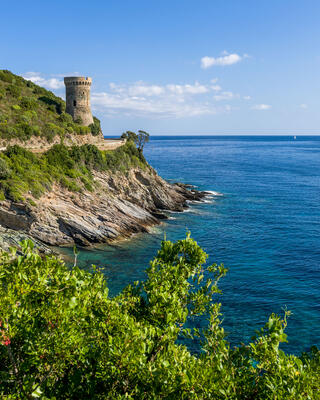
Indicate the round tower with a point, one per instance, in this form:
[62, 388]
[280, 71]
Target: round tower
[78, 98]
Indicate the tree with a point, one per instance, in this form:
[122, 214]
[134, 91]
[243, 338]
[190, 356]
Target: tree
[129, 136]
[139, 139]
[142, 139]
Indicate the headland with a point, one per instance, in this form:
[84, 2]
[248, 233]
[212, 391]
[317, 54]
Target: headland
[61, 182]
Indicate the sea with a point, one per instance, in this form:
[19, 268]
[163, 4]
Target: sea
[262, 222]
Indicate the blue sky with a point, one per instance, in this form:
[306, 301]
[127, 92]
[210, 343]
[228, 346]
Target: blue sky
[179, 66]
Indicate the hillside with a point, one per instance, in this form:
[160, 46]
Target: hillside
[83, 195]
[28, 111]
[57, 192]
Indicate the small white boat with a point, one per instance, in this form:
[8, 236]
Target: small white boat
[294, 137]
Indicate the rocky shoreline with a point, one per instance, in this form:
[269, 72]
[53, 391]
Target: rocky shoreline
[121, 205]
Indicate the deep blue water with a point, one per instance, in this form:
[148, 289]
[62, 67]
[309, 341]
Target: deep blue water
[265, 228]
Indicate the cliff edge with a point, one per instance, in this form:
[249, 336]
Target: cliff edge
[83, 195]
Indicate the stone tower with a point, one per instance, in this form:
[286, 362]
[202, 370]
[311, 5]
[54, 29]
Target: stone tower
[78, 98]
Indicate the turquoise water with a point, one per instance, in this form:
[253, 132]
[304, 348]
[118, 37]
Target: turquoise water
[265, 228]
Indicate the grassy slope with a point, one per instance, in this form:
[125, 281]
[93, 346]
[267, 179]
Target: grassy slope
[27, 109]
[25, 176]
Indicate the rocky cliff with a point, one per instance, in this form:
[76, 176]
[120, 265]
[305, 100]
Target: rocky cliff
[122, 204]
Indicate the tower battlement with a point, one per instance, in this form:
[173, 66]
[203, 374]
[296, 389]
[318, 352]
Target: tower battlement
[78, 98]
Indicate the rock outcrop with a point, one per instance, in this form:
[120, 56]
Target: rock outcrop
[121, 205]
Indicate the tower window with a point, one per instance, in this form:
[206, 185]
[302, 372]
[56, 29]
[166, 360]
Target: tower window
[74, 103]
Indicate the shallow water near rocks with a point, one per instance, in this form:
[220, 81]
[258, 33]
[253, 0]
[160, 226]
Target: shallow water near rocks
[265, 228]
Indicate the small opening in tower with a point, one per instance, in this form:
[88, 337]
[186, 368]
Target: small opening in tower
[74, 103]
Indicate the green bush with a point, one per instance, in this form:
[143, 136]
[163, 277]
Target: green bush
[63, 337]
[29, 103]
[3, 118]
[4, 169]
[16, 107]
[82, 130]
[14, 91]
[51, 130]
[28, 116]
[65, 118]
[24, 130]
[95, 128]
[6, 76]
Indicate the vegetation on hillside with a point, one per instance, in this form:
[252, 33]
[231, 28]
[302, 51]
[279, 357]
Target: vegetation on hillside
[140, 139]
[63, 337]
[27, 110]
[26, 176]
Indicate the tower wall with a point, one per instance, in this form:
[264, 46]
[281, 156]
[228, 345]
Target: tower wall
[78, 98]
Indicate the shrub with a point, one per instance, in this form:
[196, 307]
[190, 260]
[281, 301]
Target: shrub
[51, 130]
[95, 127]
[4, 169]
[7, 131]
[6, 76]
[16, 107]
[3, 118]
[29, 103]
[63, 337]
[28, 116]
[13, 91]
[24, 130]
[54, 103]
[52, 107]
[65, 118]
[82, 130]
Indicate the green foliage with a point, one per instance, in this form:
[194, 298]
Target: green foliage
[6, 76]
[29, 103]
[22, 172]
[82, 130]
[63, 337]
[143, 138]
[16, 107]
[23, 101]
[13, 91]
[95, 128]
[51, 130]
[130, 136]
[140, 138]
[65, 118]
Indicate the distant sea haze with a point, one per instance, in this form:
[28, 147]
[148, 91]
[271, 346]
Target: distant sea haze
[265, 228]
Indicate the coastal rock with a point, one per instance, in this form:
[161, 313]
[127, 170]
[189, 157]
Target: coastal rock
[121, 205]
[12, 238]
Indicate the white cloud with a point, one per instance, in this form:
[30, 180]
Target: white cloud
[172, 107]
[169, 100]
[246, 97]
[188, 89]
[216, 88]
[261, 107]
[225, 59]
[143, 89]
[51, 83]
[137, 89]
[225, 96]
[303, 106]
